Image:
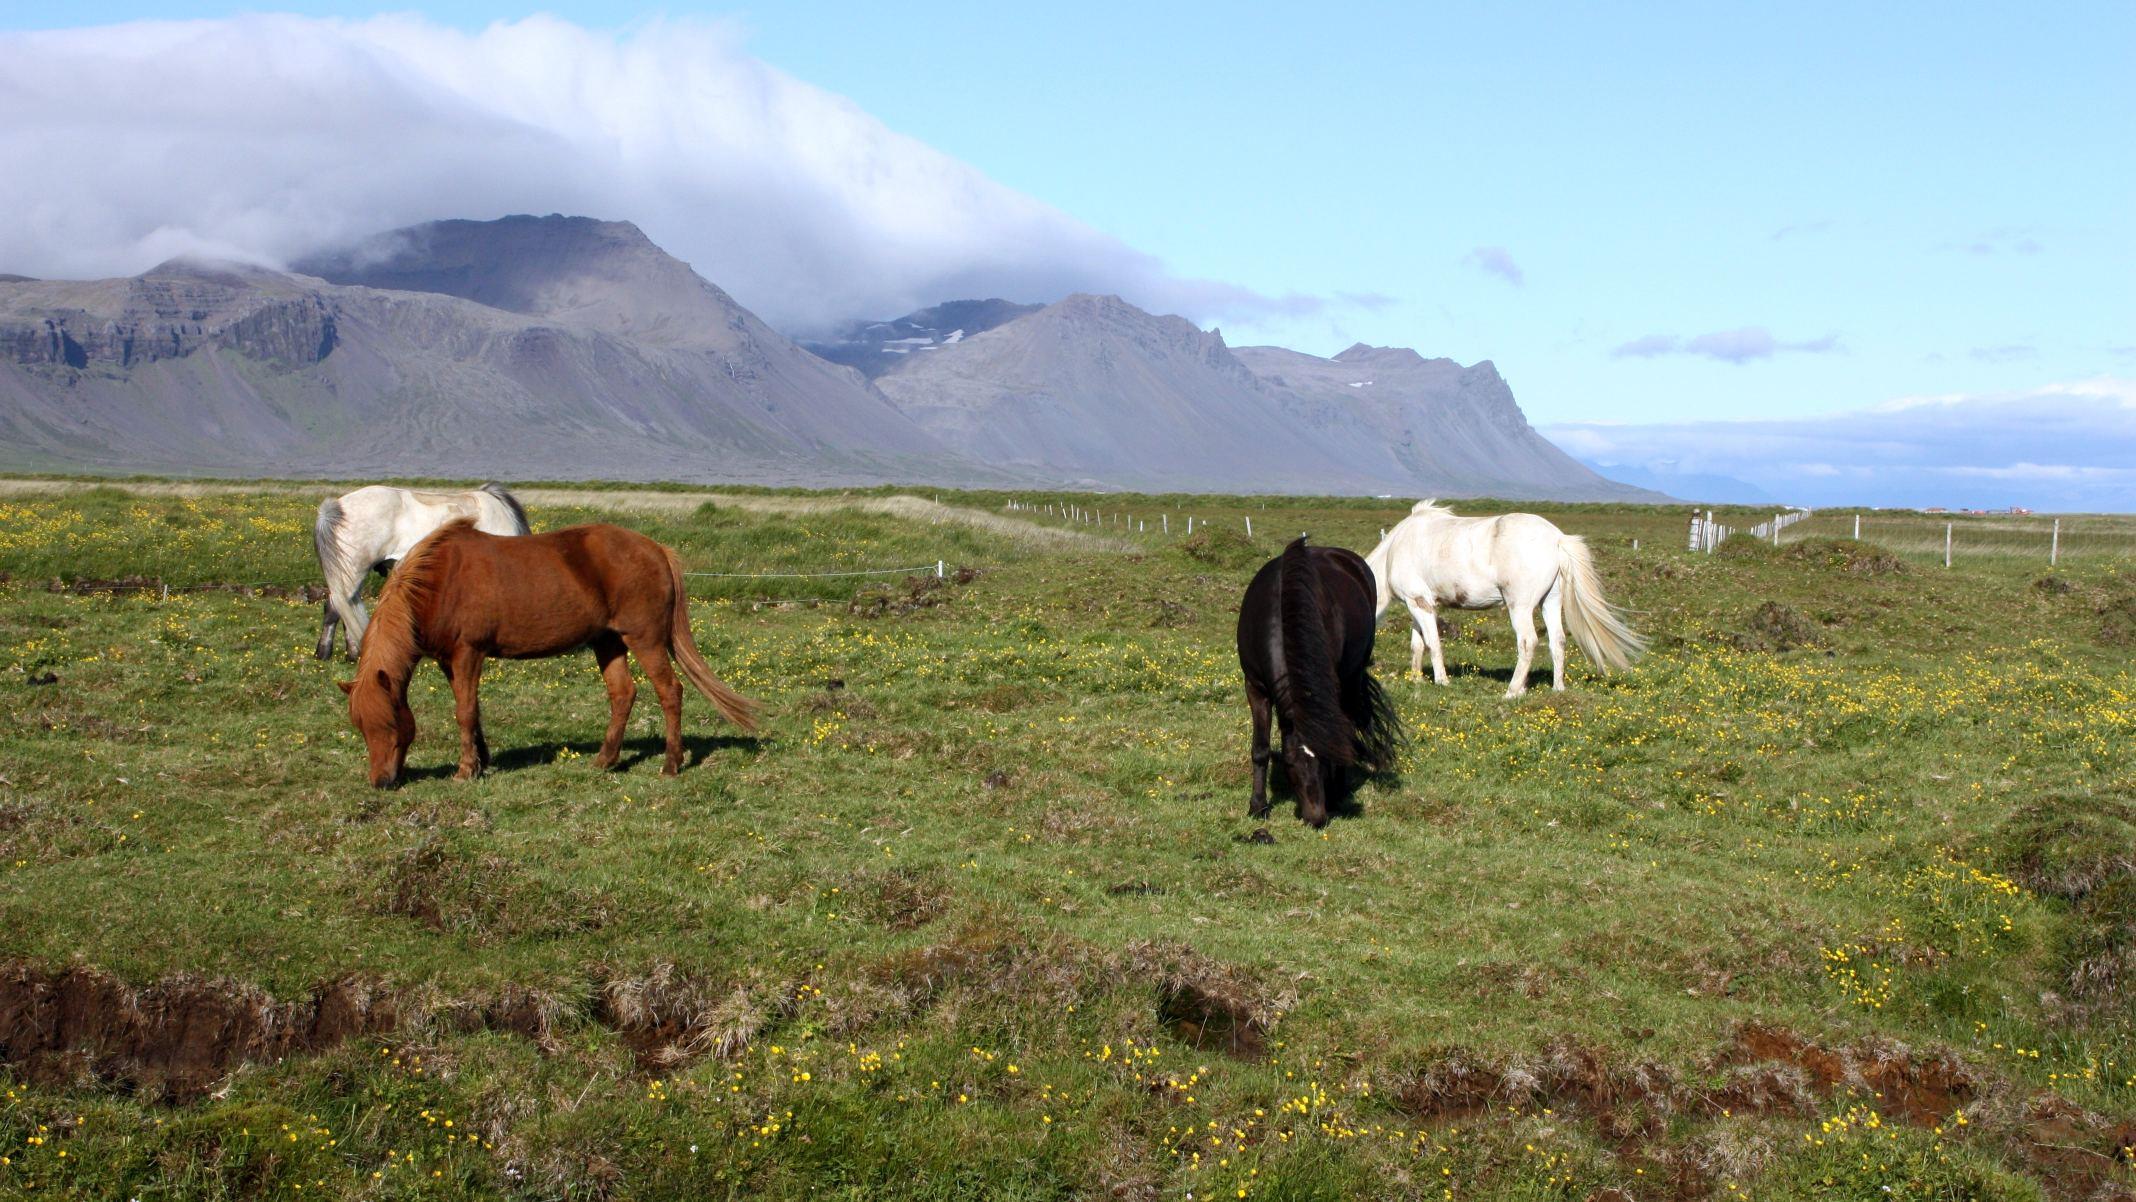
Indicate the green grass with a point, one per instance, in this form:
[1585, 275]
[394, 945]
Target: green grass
[1006, 827]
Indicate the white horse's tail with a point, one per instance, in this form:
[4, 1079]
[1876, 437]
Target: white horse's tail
[1596, 625]
[342, 580]
[505, 498]
[1377, 561]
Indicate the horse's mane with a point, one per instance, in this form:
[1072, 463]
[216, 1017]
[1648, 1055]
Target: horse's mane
[391, 635]
[1431, 505]
[1311, 692]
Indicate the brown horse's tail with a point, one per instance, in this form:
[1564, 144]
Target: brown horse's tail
[732, 706]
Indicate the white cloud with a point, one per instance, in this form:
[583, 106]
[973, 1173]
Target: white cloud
[2066, 445]
[1495, 260]
[268, 137]
[1729, 346]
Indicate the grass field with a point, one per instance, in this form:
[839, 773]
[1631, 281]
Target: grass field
[1833, 896]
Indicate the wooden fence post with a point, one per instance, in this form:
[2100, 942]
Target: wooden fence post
[1947, 543]
[1249, 527]
[2054, 548]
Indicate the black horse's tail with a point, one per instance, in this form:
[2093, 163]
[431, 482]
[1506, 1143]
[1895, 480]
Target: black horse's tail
[1379, 729]
[1309, 692]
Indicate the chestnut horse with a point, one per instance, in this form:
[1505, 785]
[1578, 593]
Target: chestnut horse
[462, 596]
[1305, 645]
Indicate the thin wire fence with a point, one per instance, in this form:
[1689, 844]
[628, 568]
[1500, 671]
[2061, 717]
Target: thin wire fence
[2047, 540]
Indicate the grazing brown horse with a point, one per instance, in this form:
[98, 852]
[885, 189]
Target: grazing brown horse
[462, 596]
[1305, 645]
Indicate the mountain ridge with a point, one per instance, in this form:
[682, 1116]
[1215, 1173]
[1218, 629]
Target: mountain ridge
[574, 347]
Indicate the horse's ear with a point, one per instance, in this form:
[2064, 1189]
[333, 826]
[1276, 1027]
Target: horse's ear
[346, 686]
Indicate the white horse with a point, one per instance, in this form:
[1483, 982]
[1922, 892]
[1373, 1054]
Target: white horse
[373, 527]
[1517, 560]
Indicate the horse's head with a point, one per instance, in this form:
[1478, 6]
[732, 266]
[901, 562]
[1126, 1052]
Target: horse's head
[380, 713]
[1308, 776]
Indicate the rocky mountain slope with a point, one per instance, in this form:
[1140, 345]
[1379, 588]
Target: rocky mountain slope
[1097, 390]
[876, 347]
[566, 347]
[525, 348]
[1452, 430]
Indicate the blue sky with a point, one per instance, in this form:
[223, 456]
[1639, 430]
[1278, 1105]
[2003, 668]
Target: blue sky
[1653, 216]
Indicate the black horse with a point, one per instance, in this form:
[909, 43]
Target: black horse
[1305, 644]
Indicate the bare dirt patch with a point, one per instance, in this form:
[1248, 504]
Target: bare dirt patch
[1207, 1003]
[172, 1040]
[1924, 1089]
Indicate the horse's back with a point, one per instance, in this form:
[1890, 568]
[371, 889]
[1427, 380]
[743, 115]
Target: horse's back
[1472, 562]
[1347, 594]
[615, 562]
[1350, 568]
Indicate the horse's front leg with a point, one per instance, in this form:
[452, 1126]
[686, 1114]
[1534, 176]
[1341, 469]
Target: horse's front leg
[354, 621]
[1257, 700]
[328, 620]
[465, 676]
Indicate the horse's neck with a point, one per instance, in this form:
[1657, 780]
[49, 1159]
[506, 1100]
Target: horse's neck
[392, 653]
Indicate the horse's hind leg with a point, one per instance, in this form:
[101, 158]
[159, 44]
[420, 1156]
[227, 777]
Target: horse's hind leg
[1425, 635]
[622, 692]
[1523, 616]
[653, 657]
[1258, 702]
[1554, 626]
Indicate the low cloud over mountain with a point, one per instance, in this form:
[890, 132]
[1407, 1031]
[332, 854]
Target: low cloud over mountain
[269, 138]
[2064, 446]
